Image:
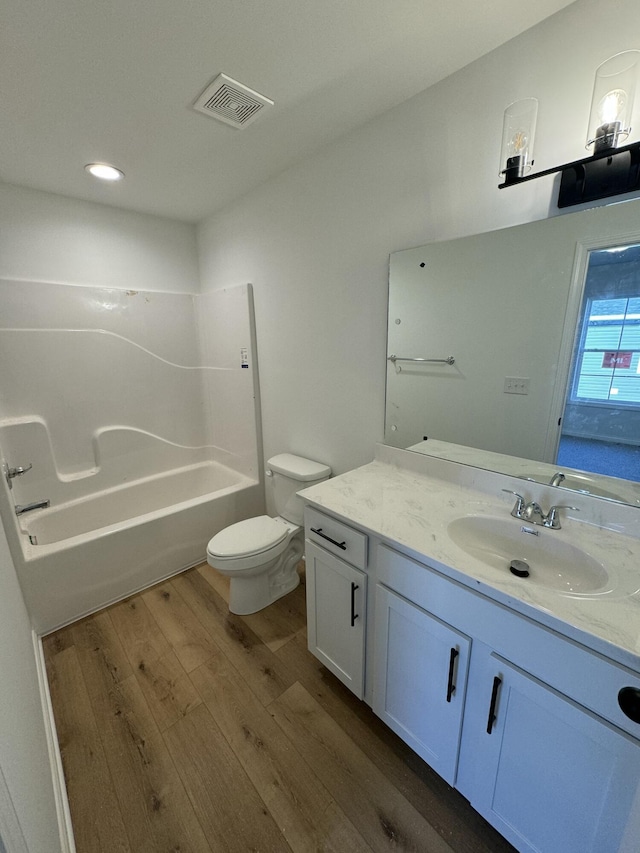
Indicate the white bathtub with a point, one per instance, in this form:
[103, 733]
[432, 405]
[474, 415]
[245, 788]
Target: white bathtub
[77, 557]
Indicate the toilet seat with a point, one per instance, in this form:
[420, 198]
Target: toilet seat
[250, 543]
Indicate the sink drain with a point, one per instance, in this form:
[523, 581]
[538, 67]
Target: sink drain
[519, 568]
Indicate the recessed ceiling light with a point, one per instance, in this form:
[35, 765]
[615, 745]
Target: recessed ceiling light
[104, 171]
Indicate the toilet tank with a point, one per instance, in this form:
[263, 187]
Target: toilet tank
[290, 474]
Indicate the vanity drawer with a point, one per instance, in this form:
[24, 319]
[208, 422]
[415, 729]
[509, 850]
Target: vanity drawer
[336, 537]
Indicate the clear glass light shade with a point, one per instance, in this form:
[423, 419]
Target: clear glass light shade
[518, 131]
[612, 102]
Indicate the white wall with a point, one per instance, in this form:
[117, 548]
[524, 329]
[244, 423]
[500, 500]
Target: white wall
[315, 240]
[23, 747]
[47, 237]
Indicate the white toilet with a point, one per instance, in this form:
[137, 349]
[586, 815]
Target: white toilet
[260, 555]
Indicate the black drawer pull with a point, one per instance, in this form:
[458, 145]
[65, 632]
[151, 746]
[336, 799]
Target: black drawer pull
[494, 701]
[451, 688]
[354, 615]
[318, 531]
[629, 701]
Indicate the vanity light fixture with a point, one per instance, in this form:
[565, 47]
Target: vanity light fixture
[612, 101]
[518, 130]
[104, 172]
[611, 169]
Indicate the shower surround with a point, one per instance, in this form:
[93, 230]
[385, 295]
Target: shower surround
[139, 413]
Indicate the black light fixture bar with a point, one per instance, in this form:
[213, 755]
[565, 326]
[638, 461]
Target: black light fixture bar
[602, 175]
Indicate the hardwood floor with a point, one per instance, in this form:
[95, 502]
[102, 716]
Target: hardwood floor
[185, 728]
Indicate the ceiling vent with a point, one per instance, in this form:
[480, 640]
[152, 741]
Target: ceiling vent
[231, 102]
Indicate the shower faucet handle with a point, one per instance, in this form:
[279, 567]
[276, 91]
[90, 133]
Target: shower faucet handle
[15, 472]
[10, 473]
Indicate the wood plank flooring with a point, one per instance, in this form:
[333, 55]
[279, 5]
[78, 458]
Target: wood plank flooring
[185, 729]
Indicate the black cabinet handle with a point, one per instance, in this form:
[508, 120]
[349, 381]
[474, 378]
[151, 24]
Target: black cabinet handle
[494, 701]
[451, 688]
[318, 532]
[629, 701]
[354, 615]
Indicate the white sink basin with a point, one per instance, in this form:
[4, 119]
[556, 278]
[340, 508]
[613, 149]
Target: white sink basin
[551, 561]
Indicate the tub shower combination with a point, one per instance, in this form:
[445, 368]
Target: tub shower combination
[128, 437]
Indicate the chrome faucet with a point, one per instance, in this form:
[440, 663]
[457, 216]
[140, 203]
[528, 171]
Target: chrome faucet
[10, 473]
[534, 514]
[20, 509]
[557, 478]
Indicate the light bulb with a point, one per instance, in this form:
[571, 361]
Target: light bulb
[612, 106]
[519, 141]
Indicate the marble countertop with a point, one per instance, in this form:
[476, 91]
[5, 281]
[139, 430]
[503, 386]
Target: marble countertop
[413, 506]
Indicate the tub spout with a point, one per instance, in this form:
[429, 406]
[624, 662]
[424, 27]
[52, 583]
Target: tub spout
[35, 505]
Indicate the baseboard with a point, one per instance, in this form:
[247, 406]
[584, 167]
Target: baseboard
[67, 843]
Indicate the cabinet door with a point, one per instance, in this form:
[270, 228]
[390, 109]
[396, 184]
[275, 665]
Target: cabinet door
[550, 775]
[336, 600]
[420, 677]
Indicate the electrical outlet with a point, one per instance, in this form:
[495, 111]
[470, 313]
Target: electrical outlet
[516, 385]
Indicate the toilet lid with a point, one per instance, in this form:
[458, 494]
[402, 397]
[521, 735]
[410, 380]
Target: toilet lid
[248, 537]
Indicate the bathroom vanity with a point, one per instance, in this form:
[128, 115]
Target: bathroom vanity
[521, 692]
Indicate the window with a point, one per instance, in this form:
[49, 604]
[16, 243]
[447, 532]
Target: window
[608, 353]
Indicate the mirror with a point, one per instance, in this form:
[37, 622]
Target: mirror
[489, 336]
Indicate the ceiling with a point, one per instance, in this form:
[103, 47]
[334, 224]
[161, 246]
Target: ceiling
[115, 81]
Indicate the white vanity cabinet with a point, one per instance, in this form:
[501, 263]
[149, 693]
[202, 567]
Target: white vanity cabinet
[541, 747]
[523, 720]
[521, 694]
[420, 677]
[336, 557]
[543, 770]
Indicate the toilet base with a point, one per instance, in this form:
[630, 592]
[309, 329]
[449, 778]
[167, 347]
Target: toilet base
[254, 592]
